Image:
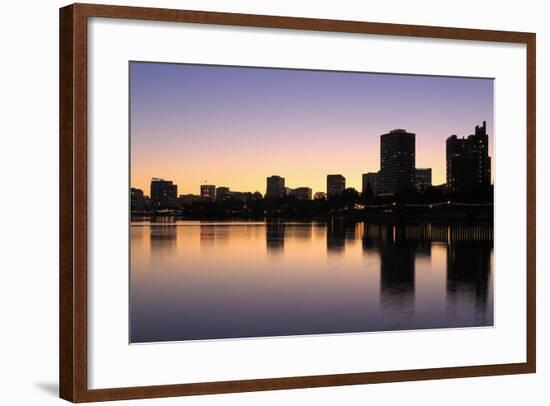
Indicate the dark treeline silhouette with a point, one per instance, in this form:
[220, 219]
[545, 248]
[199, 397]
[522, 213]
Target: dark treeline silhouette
[432, 203]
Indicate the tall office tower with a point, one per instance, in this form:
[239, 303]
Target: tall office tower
[335, 185]
[164, 194]
[397, 162]
[468, 161]
[370, 182]
[275, 186]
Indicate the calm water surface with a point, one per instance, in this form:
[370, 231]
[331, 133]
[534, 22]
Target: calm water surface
[200, 280]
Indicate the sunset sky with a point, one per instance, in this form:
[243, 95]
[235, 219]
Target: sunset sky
[234, 126]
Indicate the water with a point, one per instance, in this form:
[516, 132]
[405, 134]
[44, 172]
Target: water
[193, 280]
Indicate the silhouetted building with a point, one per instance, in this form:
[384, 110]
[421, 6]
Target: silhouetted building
[222, 193]
[370, 182]
[397, 162]
[163, 194]
[320, 195]
[208, 192]
[240, 196]
[301, 193]
[147, 203]
[423, 178]
[468, 161]
[137, 200]
[188, 199]
[275, 187]
[335, 185]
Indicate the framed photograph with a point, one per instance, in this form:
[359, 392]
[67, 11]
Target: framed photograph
[255, 202]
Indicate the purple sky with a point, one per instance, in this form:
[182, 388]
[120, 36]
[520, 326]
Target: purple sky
[233, 126]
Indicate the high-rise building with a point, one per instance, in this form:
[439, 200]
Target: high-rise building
[370, 182]
[301, 193]
[208, 192]
[275, 186]
[468, 161]
[397, 162]
[164, 194]
[423, 178]
[335, 185]
[137, 200]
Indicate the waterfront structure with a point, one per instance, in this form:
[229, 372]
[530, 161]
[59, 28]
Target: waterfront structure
[370, 182]
[208, 192]
[163, 194]
[275, 186]
[137, 199]
[468, 161]
[301, 193]
[423, 179]
[397, 162]
[335, 185]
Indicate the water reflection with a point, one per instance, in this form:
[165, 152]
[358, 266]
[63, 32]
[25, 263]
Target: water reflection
[467, 276]
[215, 280]
[275, 237]
[163, 239]
[397, 277]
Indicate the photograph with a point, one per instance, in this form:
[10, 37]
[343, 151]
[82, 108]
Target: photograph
[271, 202]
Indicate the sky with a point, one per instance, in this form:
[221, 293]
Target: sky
[234, 126]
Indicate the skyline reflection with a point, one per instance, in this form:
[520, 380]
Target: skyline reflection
[204, 280]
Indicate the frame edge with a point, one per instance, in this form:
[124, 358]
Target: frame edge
[531, 233]
[66, 298]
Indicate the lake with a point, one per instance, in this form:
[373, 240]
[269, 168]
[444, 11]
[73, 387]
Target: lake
[192, 280]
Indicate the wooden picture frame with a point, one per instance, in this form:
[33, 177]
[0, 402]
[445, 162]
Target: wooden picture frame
[73, 201]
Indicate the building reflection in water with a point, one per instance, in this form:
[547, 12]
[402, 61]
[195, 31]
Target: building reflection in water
[275, 237]
[207, 235]
[384, 277]
[338, 233]
[163, 237]
[468, 265]
[336, 238]
[397, 268]
[468, 270]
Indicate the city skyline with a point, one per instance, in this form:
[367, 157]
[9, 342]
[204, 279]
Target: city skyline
[468, 166]
[234, 126]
